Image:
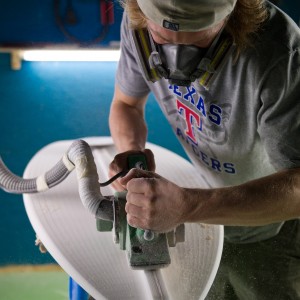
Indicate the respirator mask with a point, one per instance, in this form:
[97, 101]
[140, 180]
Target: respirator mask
[179, 64]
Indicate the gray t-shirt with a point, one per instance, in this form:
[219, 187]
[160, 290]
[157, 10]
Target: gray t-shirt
[247, 124]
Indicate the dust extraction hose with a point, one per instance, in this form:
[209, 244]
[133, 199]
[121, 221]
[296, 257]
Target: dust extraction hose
[78, 156]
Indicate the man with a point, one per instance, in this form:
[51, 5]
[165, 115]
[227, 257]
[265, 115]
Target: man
[227, 77]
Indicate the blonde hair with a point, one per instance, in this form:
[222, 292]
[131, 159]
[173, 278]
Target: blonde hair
[244, 22]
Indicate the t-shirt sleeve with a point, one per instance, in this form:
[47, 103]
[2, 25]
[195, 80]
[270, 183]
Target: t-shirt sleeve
[279, 116]
[129, 75]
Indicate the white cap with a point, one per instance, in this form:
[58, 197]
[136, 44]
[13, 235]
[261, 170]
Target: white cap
[186, 15]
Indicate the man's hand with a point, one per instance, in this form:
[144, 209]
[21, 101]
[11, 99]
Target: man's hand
[153, 202]
[120, 163]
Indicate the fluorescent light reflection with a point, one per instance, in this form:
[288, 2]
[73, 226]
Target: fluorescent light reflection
[71, 55]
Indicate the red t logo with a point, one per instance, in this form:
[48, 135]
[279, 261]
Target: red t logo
[189, 115]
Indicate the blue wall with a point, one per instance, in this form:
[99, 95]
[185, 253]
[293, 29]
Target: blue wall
[292, 8]
[33, 22]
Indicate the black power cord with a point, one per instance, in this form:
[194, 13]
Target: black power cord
[112, 179]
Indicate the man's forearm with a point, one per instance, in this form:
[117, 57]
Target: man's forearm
[127, 126]
[263, 201]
